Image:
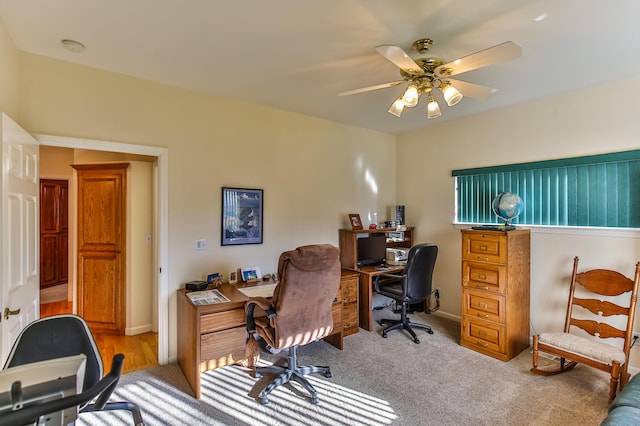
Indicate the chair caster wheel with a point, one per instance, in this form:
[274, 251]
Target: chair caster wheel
[264, 400]
[384, 335]
[430, 331]
[314, 400]
[327, 374]
[417, 340]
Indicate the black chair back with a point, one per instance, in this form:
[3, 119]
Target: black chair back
[58, 337]
[419, 271]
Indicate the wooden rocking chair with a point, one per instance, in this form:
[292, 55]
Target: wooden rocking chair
[594, 316]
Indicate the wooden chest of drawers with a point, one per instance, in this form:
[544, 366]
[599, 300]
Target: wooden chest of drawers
[495, 292]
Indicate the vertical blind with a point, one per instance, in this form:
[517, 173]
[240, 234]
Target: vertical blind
[595, 191]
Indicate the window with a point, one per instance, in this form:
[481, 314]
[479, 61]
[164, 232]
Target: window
[593, 191]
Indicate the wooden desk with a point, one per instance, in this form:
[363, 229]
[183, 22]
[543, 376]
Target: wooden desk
[213, 336]
[365, 293]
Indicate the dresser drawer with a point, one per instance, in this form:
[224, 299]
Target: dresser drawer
[484, 247]
[484, 276]
[483, 335]
[483, 305]
[221, 320]
[222, 348]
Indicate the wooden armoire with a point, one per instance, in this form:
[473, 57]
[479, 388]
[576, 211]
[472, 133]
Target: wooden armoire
[54, 232]
[101, 245]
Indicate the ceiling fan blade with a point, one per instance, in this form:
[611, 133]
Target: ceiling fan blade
[493, 55]
[471, 90]
[400, 59]
[370, 88]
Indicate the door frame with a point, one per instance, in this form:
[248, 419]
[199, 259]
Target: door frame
[161, 211]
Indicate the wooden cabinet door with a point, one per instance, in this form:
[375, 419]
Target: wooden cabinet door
[54, 232]
[101, 245]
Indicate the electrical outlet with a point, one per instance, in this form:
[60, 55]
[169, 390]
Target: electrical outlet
[201, 244]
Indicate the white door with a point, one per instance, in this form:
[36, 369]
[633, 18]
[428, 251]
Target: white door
[19, 264]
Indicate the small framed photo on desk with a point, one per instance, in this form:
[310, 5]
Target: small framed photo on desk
[356, 223]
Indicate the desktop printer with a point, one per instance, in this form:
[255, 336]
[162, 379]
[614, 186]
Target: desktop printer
[396, 256]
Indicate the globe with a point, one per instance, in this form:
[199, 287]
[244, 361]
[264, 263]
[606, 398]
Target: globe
[507, 206]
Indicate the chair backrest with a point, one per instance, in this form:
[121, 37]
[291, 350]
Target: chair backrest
[612, 317]
[309, 282]
[419, 271]
[56, 337]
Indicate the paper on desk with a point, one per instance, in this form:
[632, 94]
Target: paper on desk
[259, 290]
[206, 297]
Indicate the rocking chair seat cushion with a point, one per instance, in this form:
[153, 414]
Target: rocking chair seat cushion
[588, 348]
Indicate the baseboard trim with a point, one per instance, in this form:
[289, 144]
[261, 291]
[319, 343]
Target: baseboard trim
[132, 331]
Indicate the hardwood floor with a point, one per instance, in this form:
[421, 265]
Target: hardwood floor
[140, 351]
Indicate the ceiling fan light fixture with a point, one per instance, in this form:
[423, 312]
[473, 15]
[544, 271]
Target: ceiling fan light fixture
[433, 109]
[451, 95]
[410, 96]
[397, 107]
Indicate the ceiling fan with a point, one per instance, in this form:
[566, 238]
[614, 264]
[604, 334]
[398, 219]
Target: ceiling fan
[423, 75]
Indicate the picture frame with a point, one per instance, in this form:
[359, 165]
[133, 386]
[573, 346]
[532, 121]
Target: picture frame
[251, 274]
[233, 277]
[242, 216]
[356, 222]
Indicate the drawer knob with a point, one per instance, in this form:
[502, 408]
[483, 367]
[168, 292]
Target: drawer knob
[484, 345]
[483, 305]
[483, 316]
[483, 247]
[482, 276]
[483, 258]
[483, 287]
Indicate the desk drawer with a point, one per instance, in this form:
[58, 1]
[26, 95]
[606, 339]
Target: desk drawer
[221, 320]
[483, 305]
[349, 289]
[336, 311]
[350, 315]
[484, 276]
[222, 348]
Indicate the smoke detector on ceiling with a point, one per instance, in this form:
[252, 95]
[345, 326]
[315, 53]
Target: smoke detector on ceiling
[73, 45]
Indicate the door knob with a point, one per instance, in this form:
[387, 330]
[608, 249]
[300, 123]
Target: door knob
[8, 312]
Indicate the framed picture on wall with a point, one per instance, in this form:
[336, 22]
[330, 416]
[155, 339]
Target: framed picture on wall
[241, 216]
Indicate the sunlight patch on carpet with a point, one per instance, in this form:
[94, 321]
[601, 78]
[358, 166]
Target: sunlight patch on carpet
[234, 391]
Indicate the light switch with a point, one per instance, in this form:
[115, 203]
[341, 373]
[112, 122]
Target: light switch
[201, 244]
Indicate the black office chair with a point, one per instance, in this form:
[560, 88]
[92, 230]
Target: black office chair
[413, 286]
[61, 336]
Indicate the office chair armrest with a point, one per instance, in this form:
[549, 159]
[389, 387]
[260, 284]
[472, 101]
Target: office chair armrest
[388, 278]
[116, 369]
[262, 303]
[30, 414]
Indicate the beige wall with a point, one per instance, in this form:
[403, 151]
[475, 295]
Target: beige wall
[8, 74]
[590, 121]
[313, 172]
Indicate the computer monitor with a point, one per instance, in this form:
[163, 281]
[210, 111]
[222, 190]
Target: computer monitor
[41, 382]
[372, 249]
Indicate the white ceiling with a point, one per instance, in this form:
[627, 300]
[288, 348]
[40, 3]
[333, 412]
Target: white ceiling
[298, 54]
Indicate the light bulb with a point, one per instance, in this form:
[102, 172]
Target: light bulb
[397, 107]
[410, 97]
[451, 95]
[433, 109]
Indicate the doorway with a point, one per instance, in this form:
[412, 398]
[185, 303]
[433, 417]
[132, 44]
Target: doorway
[161, 219]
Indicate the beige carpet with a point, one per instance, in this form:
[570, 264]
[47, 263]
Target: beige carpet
[378, 381]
